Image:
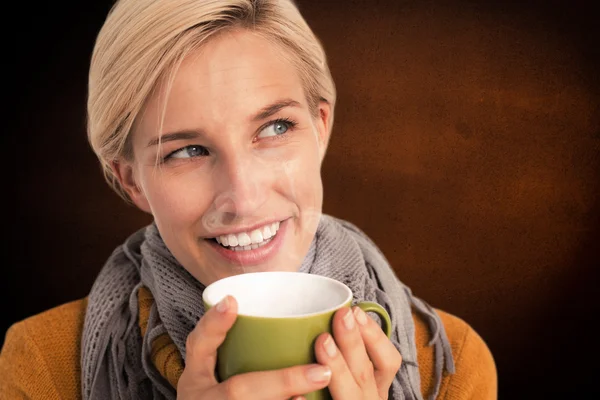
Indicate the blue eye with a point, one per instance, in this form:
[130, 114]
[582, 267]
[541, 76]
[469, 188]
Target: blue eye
[189, 152]
[276, 128]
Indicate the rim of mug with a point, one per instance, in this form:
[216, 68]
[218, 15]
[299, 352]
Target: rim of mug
[215, 284]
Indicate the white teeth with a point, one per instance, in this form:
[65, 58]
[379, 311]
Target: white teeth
[231, 239]
[256, 236]
[243, 239]
[266, 232]
[249, 240]
[251, 247]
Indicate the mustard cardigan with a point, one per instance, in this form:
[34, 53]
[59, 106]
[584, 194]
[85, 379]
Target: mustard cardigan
[40, 358]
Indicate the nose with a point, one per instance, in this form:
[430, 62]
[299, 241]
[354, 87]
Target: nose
[242, 182]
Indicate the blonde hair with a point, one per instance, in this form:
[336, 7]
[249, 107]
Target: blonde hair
[143, 42]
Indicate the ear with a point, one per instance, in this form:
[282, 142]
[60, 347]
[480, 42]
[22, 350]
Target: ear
[125, 173]
[323, 127]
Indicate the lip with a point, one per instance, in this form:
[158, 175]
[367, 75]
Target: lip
[255, 256]
[249, 228]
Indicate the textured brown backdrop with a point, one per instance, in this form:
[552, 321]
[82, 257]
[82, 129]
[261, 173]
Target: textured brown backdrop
[466, 143]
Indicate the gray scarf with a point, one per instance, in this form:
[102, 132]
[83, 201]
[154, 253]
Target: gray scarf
[115, 358]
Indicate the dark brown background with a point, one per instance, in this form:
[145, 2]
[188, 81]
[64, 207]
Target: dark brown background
[466, 143]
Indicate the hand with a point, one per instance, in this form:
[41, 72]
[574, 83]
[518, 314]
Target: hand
[198, 380]
[362, 359]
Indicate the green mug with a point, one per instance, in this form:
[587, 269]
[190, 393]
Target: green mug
[280, 315]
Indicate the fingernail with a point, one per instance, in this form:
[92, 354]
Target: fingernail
[329, 347]
[223, 305]
[360, 315]
[318, 374]
[349, 320]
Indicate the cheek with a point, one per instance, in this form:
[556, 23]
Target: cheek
[303, 176]
[175, 199]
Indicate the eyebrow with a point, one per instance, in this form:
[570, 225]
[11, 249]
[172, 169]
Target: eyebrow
[262, 114]
[273, 108]
[169, 137]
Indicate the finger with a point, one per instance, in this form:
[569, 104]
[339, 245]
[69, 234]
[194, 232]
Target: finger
[277, 384]
[349, 340]
[342, 385]
[202, 343]
[382, 352]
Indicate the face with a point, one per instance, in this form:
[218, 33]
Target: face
[234, 183]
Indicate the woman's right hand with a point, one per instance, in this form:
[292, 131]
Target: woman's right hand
[198, 381]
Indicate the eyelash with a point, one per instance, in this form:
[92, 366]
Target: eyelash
[290, 122]
[291, 125]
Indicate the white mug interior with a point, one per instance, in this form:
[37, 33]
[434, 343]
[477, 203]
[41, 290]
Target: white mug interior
[280, 294]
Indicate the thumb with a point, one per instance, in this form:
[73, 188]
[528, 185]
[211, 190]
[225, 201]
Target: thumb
[202, 343]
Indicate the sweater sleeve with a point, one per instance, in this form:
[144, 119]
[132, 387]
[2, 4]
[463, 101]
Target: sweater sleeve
[40, 355]
[21, 364]
[475, 376]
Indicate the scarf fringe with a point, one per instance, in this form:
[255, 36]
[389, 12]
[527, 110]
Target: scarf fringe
[442, 350]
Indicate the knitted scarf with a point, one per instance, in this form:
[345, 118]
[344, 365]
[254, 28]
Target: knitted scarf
[115, 358]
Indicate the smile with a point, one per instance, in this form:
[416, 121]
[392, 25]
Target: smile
[244, 241]
[251, 248]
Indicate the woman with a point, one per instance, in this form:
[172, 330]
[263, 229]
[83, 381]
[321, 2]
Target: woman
[214, 117]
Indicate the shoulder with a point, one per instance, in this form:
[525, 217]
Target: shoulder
[475, 375]
[40, 355]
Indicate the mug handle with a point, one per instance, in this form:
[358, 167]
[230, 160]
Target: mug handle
[369, 306]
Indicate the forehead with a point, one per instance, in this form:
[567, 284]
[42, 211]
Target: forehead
[231, 76]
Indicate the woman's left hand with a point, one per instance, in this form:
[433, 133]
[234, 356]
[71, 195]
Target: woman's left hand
[362, 359]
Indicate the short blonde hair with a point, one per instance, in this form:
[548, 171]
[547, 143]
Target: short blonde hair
[143, 42]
